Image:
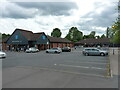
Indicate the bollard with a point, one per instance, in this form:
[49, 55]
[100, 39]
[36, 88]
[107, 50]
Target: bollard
[113, 52]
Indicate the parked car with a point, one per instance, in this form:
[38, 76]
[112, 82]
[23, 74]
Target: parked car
[94, 51]
[54, 50]
[66, 49]
[2, 54]
[32, 50]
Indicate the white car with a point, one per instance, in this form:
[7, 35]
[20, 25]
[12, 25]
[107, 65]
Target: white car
[32, 50]
[54, 50]
[2, 54]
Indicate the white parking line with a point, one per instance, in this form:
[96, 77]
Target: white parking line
[86, 62]
[98, 68]
[73, 66]
[29, 67]
[81, 67]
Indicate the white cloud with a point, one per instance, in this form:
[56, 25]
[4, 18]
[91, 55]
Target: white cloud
[89, 16]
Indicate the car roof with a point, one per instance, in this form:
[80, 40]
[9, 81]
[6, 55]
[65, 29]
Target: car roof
[90, 48]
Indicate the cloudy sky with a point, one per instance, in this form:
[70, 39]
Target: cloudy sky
[39, 16]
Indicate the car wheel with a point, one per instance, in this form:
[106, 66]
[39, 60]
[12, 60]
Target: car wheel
[102, 54]
[47, 52]
[56, 52]
[86, 54]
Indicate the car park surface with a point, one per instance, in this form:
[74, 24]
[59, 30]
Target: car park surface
[60, 67]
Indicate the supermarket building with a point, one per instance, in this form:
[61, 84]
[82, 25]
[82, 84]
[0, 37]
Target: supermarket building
[23, 39]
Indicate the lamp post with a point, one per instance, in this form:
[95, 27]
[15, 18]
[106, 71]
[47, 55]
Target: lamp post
[113, 26]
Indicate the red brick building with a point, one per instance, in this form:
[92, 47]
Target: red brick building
[23, 39]
[94, 42]
[59, 42]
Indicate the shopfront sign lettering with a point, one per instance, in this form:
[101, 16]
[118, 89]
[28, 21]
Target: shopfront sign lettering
[16, 41]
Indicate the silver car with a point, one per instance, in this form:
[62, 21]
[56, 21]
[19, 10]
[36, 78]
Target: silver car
[94, 51]
[2, 54]
[54, 50]
[32, 50]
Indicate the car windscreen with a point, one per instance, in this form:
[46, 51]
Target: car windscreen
[54, 48]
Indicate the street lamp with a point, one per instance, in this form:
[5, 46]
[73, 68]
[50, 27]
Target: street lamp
[113, 26]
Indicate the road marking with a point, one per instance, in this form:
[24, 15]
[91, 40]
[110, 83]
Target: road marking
[64, 71]
[73, 66]
[55, 64]
[81, 67]
[85, 62]
[98, 68]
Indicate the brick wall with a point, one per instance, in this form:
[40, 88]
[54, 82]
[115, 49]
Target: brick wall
[5, 47]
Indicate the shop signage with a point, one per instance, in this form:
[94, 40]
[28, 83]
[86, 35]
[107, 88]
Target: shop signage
[16, 36]
[43, 37]
[17, 41]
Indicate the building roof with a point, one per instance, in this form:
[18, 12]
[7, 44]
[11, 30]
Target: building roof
[26, 33]
[94, 41]
[58, 40]
[37, 35]
[34, 36]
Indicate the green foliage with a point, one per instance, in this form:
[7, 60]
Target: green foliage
[56, 32]
[91, 35]
[116, 37]
[0, 36]
[103, 36]
[97, 37]
[116, 32]
[107, 32]
[74, 34]
[5, 35]
[85, 36]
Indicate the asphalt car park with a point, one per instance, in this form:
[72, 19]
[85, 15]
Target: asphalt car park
[43, 69]
[73, 62]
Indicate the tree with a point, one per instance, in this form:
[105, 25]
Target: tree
[85, 36]
[116, 33]
[0, 36]
[97, 37]
[5, 35]
[116, 37]
[92, 34]
[103, 36]
[56, 32]
[74, 34]
[116, 30]
[107, 32]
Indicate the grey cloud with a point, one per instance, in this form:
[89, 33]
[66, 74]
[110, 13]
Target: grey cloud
[31, 9]
[50, 8]
[14, 11]
[103, 19]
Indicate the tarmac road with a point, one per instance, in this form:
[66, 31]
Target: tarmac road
[73, 61]
[68, 69]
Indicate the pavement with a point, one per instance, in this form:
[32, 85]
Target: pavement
[65, 70]
[114, 54]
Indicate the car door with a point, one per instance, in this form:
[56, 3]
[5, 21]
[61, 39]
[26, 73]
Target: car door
[52, 50]
[95, 52]
[90, 52]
